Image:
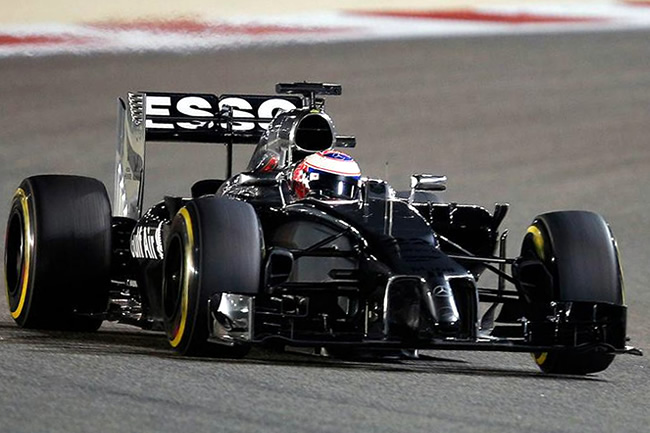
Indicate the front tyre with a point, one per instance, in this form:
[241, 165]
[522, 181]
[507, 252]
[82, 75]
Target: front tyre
[579, 253]
[214, 246]
[57, 253]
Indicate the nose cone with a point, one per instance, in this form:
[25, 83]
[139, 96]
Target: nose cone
[442, 306]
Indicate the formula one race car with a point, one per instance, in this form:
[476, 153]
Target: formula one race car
[299, 250]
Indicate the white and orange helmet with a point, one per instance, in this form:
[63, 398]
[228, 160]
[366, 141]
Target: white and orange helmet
[329, 174]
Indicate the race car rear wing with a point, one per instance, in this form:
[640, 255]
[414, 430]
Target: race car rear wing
[202, 118]
[199, 118]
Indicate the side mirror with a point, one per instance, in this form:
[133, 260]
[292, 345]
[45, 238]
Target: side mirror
[423, 184]
[345, 141]
[428, 182]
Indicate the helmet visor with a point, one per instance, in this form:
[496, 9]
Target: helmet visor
[334, 186]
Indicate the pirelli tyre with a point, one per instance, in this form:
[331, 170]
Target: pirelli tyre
[57, 253]
[580, 255]
[214, 246]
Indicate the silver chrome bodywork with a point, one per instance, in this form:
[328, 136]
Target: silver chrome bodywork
[386, 271]
[232, 319]
[130, 157]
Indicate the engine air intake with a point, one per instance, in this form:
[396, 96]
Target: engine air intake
[314, 133]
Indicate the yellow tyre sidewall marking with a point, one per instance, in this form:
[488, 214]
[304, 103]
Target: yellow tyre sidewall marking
[538, 241]
[540, 358]
[188, 271]
[27, 251]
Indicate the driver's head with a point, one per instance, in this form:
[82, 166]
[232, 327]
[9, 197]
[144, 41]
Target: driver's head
[329, 174]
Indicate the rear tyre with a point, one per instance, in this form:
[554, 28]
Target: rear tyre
[57, 253]
[579, 253]
[214, 246]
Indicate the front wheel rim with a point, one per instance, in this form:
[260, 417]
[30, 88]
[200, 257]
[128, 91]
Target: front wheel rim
[18, 254]
[14, 253]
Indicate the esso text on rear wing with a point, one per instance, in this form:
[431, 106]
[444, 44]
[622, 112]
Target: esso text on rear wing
[212, 118]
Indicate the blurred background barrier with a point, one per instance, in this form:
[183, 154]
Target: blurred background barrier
[40, 11]
[42, 28]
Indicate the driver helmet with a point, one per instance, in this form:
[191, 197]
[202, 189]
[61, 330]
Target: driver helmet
[329, 173]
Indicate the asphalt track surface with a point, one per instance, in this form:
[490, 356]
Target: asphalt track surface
[542, 122]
